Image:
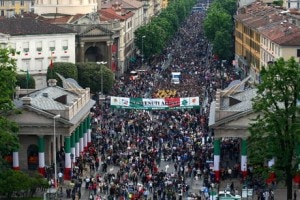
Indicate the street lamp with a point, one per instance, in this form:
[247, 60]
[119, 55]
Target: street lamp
[143, 48]
[101, 63]
[54, 150]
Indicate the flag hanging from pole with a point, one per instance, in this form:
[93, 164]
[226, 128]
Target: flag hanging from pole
[51, 64]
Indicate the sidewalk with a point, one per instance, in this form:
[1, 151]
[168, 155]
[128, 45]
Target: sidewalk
[61, 191]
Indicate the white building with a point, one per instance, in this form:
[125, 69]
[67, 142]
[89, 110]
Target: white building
[37, 43]
[65, 7]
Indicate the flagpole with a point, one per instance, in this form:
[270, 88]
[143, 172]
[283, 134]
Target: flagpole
[27, 80]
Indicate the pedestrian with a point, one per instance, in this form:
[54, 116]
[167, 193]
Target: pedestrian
[295, 195]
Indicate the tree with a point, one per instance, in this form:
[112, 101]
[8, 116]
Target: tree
[273, 133]
[228, 5]
[7, 79]
[217, 20]
[22, 81]
[8, 129]
[162, 28]
[16, 181]
[66, 69]
[90, 75]
[222, 43]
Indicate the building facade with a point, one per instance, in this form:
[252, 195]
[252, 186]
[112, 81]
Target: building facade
[37, 45]
[263, 34]
[53, 120]
[9, 8]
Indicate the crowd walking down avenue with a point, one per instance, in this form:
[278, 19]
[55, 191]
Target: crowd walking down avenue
[159, 154]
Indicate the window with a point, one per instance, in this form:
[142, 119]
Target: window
[25, 64]
[38, 46]
[52, 45]
[298, 53]
[25, 46]
[1, 2]
[65, 45]
[39, 64]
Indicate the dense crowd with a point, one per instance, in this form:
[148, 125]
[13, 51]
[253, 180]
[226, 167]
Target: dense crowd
[129, 146]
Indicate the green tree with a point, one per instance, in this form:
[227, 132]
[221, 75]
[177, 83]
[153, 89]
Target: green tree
[9, 140]
[66, 69]
[22, 81]
[273, 133]
[228, 5]
[8, 129]
[217, 20]
[162, 28]
[222, 43]
[90, 75]
[7, 79]
[15, 181]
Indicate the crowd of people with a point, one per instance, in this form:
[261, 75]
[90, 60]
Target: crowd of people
[156, 154]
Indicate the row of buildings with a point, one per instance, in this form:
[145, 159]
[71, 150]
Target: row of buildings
[73, 31]
[57, 120]
[264, 33]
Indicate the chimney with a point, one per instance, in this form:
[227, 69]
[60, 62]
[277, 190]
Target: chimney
[52, 82]
[26, 100]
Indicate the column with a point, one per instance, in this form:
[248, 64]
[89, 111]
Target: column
[81, 52]
[73, 146]
[81, 149]
[217, 159]
[85, 135]
[244, 157]
[77, 149]
[67, 172]
[41, 142]
[109, 58]
[89, 131]
[16, 165]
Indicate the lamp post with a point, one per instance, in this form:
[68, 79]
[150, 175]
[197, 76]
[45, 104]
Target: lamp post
[54, 150]
[143, 48]
[101, 63]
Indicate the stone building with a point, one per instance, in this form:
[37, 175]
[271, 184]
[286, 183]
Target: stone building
[53, 121]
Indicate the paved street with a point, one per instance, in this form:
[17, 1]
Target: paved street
[195, 186]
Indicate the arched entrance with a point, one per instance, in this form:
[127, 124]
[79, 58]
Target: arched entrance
[32, 157]
[93, 54]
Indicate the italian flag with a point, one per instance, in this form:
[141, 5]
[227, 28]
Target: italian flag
[244, 158]
[217, 159]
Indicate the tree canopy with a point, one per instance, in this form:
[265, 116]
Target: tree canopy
[274, 133]
[218, 27]
[152, 38]
[66, 69]
[7, 79]
[90, 75]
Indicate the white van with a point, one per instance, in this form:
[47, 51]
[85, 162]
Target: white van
[175, 79]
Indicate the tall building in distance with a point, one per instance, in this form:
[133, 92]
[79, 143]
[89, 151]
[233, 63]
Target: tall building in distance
[9, 8]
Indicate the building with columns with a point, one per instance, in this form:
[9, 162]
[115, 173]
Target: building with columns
[100, 38]
[52, 115]
[230, 116]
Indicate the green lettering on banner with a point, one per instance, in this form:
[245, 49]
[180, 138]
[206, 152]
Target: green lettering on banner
[136, 103]
[155, 104]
